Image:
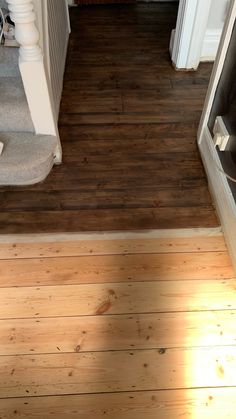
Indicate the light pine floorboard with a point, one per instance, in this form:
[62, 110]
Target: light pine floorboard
[112, 340]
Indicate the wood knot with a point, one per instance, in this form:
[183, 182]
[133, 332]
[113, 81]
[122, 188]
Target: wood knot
[103, 308]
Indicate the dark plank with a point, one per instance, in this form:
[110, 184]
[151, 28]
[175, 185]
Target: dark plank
[105, 219]
[157, 101]
[174, 115]
[94, 177]
[143, 198]
[180, 137]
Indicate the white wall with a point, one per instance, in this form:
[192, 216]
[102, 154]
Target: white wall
[53, 25]
[58, 29]
[216, 19]
[217, 14]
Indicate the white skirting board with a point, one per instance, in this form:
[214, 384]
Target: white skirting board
[221, 193]
[210, 44]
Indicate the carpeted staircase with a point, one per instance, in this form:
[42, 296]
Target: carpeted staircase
[26, 158]
[14, 110]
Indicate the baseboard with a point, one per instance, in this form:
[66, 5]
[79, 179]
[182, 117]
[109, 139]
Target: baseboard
[210, 44]
[172, 40]
[58, 92]
[221, 193]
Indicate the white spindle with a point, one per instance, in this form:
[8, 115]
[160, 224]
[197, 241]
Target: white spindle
[26, 32]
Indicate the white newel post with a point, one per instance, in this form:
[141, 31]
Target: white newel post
[33, 71]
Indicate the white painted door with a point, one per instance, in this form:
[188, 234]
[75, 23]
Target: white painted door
[197, 33]
[221, 165]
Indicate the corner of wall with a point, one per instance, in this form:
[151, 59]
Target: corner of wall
[210, 44]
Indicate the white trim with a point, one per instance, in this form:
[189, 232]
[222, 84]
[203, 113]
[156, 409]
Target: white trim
[39, 97]
[211, 44]
[221, 192]
[46, 54]
[56, 26]
[68, 14]
[222, 195]
[172, 40]
[218, 67]
[190, 31]
[39, 20]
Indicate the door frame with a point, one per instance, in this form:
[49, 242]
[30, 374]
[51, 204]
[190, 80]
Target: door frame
[188, 37]
[218, 184]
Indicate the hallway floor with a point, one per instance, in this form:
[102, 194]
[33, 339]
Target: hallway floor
[132, 324]
[128, 126]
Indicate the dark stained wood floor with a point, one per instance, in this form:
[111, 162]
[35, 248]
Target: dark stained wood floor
[128, 126]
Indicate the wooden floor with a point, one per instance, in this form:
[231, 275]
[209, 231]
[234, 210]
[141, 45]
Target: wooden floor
[128, 126]
[117, 327]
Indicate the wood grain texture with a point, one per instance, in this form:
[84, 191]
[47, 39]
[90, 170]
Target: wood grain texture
[117, 332]
[18, 247]
[128, 126]
[207, 403]
[104, 219]
[116, 371]
[118, 348]
[117, 298]
[115, 268]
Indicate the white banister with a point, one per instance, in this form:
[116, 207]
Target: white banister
[34, 75]
[23, 15]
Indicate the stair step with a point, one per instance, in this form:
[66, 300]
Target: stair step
[3, 3]
[14, 110]
[26, 158]
[9, 66]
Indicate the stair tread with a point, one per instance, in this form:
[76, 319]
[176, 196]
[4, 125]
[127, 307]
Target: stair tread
[9, 57]
[14, 110]
[3, 3]
[26, 158]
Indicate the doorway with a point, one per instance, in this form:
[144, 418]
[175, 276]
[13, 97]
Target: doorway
[198, 31]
